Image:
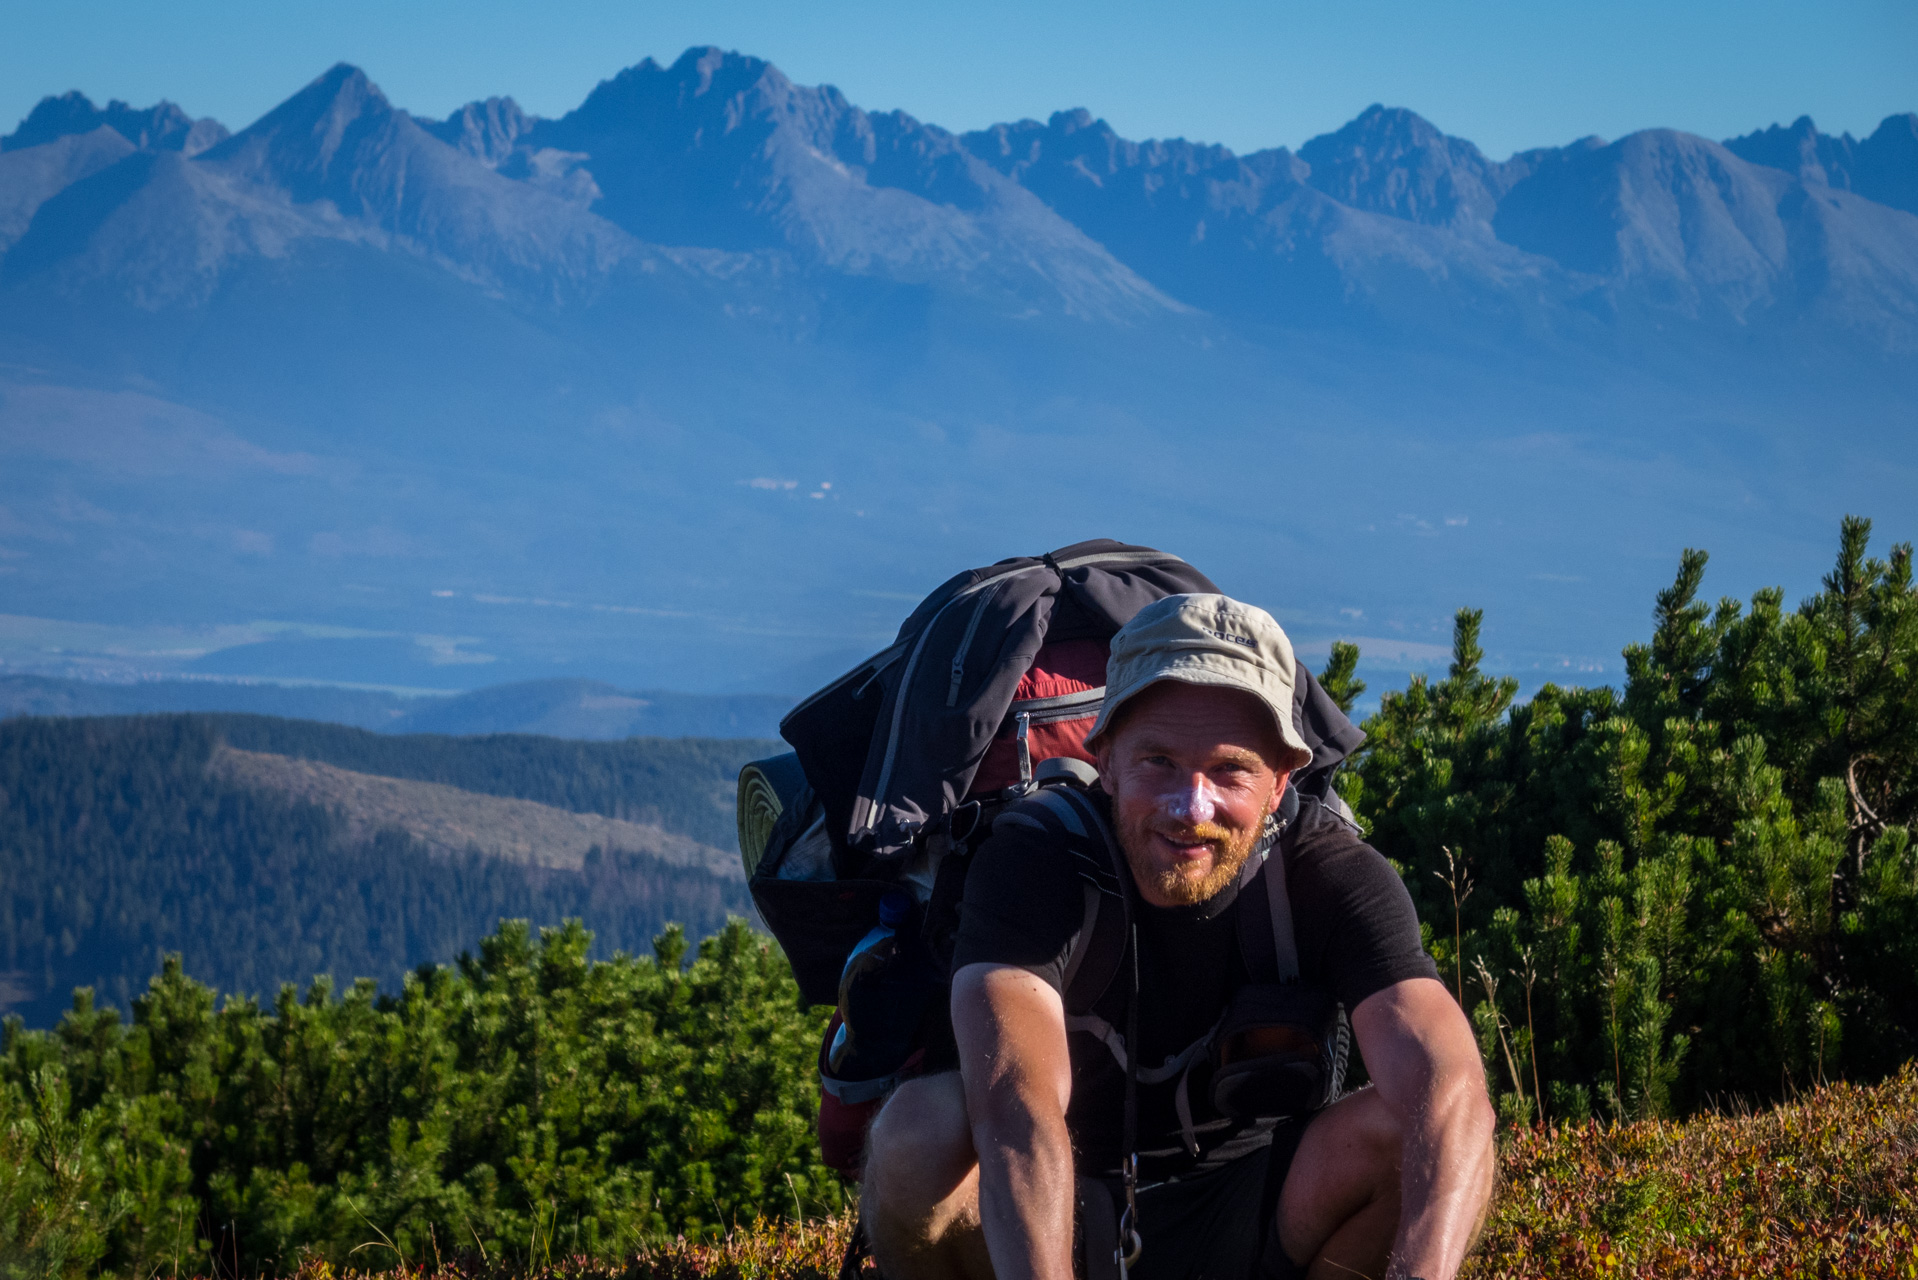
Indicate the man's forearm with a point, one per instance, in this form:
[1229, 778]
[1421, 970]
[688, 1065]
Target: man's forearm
[1011, 1031]
[1025, 1188]
[1446, 1182]
[1424, 1060]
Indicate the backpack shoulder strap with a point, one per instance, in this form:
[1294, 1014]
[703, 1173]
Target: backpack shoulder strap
[1266, 938]
[1072, 819]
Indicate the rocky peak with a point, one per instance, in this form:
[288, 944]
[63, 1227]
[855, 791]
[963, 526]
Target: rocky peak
[1801, 151]
[1393, 161]
[315, 143]
[1088, 145]
[487, 131]
[161, 127]
[1884, 167]
[725, 146]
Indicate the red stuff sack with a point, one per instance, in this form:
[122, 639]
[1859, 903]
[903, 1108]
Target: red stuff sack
[1060, 695]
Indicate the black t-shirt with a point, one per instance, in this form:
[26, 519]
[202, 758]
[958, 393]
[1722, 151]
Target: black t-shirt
[1355, 930]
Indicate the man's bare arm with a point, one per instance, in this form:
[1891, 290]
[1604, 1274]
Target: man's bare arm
[1422, 1056]
[1011, 1031]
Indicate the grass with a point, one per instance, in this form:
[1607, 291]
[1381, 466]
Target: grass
[1824, 1187]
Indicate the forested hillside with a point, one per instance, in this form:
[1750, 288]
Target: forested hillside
[682, 784]
[118, 843]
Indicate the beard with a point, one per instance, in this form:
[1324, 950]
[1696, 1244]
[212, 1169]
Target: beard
[1230, 849]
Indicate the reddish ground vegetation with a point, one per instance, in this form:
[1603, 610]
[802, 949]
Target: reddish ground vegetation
[1823, 1187]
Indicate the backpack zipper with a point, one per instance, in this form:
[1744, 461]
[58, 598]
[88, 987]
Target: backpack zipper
[965, 643]
[1060, 706]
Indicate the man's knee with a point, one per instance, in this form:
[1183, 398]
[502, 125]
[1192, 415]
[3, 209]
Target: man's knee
[919, 1149]
[1375, 1134]
[920, 1194]
[1344, 1182]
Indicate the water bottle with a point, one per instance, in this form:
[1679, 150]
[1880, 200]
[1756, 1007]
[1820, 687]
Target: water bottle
[882, 996]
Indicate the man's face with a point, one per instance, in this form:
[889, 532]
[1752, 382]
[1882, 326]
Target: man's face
[1190, 772]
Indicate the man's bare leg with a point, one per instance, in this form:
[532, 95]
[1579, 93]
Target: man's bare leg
[919, 1197]
[1339, 1210]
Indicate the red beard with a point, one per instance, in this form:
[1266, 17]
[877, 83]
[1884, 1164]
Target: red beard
[1230, 849]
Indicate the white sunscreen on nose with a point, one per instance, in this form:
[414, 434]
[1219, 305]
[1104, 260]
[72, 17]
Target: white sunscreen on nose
[1193, 804]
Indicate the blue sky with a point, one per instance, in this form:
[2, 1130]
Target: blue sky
[1505, 74]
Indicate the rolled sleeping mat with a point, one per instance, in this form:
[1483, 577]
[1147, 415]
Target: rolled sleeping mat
[766, 788]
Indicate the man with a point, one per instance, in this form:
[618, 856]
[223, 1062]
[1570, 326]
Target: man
[976, 1174]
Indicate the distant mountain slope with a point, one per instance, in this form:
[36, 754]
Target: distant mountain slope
[587, 709]
[1660, 225]
[49, 696]
[723, 158]
[340, 148]
[1255, 238]
[450, 822]
[124, 839]
[594, 709]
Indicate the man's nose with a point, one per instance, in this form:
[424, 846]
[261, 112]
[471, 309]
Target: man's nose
[1194, 802]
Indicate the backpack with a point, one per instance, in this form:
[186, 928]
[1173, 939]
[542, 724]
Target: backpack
[976, 714]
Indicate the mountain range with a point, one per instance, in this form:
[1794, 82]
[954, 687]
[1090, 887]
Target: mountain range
[701, 384]
[560, 708]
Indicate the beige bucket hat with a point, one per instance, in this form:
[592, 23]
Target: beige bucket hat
[1206, 640]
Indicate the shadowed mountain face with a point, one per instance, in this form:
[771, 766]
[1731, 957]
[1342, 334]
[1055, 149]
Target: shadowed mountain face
[30, 177]
[709, 378]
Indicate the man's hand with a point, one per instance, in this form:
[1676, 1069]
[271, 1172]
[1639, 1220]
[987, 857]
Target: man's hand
[1424, 1061]
[1011, 1032]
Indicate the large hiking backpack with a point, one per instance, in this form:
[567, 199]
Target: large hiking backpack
[901, 766]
